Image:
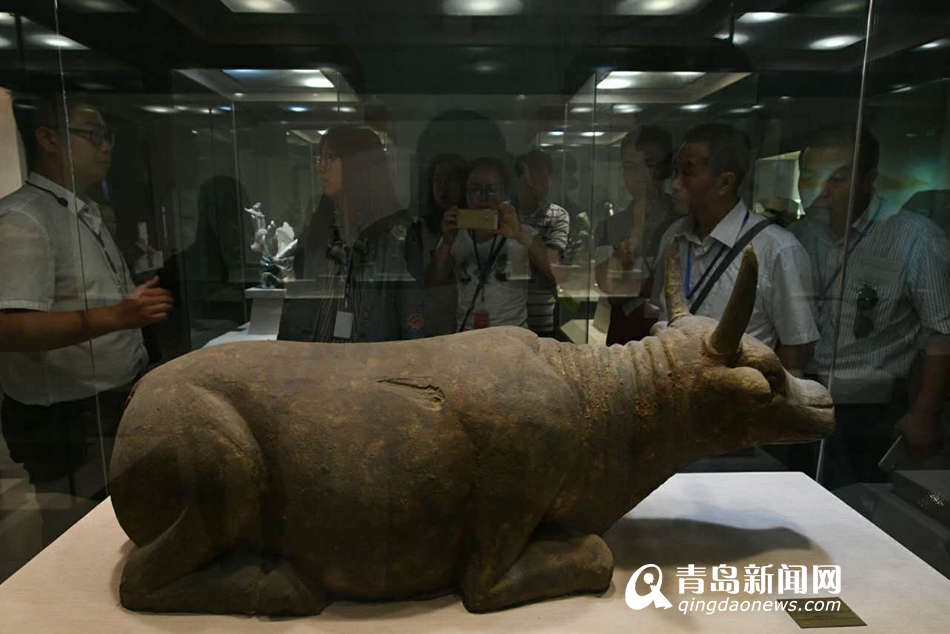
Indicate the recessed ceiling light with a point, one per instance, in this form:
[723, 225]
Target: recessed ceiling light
[159, 109]
[785, 98]
[486, 67]
[741, 110]
[322, 132]
[593, 133]
[482, 7]
[317, 82]
[688, 74]
[618, 80]
[521, 97]
[582, 109]
[100, 6]
[556, 132]
[758, 17]
[57, 41]
[836, 42]
[902, 88]
[929, 46]
[846, 6]
[225, 108]
[547, 145]
[737, 38]
[657, 7]
[625, 108]
[298, 108]
[345, 109]
[259, 6]
[694, 107]
[194, 132]
[238, 95]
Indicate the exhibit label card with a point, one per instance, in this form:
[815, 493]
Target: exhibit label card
[833, 613]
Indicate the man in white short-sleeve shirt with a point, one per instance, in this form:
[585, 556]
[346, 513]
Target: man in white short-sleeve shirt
[70, 315]
[709, 169]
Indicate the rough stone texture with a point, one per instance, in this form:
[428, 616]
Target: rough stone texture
[275, 477]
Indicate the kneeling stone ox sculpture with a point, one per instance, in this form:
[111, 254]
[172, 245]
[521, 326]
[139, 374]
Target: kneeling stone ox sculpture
[274, 477]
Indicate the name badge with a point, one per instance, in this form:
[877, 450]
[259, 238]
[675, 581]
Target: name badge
[343, 326]
[878, 271]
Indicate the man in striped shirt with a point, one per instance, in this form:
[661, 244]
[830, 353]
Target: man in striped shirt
[896, 300]
[552, 225]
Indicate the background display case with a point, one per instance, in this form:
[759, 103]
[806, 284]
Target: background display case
[217, 105]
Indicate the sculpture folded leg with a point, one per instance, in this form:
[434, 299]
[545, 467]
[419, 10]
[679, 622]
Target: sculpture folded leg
[548, 567]
[207, 481]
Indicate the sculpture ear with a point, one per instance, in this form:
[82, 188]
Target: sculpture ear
[742, 385]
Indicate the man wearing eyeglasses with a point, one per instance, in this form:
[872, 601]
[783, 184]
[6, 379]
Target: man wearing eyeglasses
[70, 315]
[896, 300]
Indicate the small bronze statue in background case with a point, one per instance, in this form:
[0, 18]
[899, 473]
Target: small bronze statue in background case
[275, 477]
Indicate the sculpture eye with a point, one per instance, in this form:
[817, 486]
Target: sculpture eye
[775, 382]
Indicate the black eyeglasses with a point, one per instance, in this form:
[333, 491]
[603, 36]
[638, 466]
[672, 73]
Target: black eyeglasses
[867, 300]
[488, 192]
[96, 137]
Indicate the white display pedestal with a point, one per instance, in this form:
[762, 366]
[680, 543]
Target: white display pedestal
[239, 335]
[267, 304]
[703, 519]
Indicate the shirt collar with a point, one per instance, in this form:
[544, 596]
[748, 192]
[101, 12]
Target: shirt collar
[88, 211]
[871, 214]
[726, 232]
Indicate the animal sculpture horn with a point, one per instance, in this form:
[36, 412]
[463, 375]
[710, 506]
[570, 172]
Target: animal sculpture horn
[725, 339]
[675, 300]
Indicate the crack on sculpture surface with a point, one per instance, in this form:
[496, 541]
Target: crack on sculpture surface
[275, 477]
[420, 389]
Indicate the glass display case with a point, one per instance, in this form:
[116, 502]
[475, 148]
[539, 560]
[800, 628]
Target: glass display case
[177, 176]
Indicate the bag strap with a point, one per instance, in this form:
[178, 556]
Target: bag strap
[741, 244]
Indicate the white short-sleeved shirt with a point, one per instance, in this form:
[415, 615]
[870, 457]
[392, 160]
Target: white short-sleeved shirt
[783, 311]
[505, 294]
[905, 259]
[52, 261]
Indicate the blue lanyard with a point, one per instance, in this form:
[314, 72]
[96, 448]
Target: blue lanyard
[690, 291]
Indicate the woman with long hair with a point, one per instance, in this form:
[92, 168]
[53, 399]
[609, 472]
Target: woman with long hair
[360, 247]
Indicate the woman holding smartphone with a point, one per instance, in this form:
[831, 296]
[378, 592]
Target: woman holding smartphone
[491, 265]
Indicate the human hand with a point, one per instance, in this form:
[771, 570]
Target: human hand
[147, 304]
[450, 225]
[509, 225]
[920, 428]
